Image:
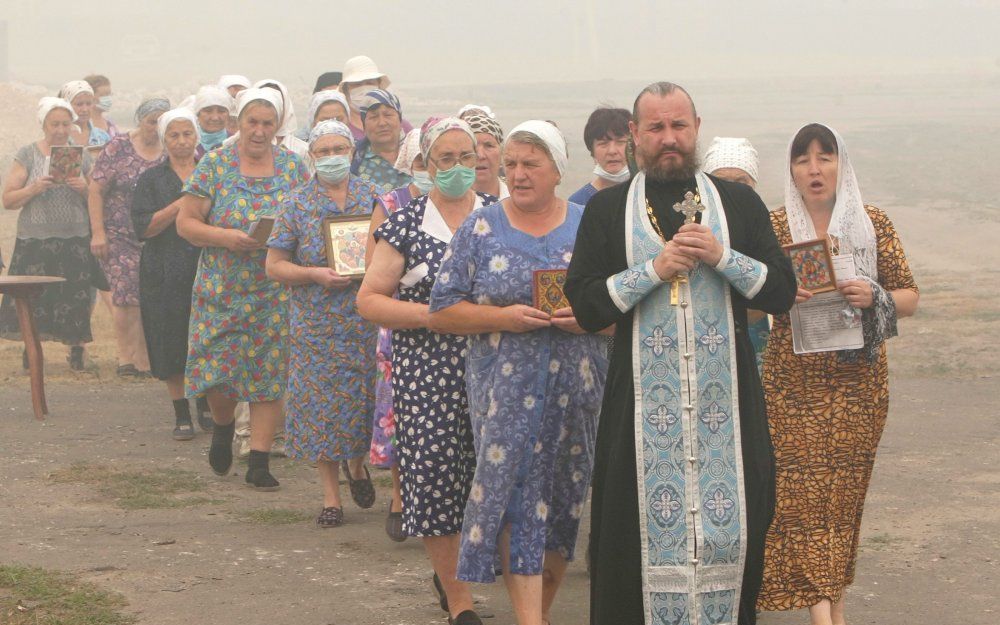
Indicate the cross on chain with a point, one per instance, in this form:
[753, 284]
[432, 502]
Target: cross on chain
[690, 207]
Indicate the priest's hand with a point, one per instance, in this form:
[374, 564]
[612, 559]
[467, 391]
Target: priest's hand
[697, 241]
[671, 261]
[857, 292]
[564, 320]
[521, 318]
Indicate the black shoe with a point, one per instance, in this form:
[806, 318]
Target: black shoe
[220, 454]
[259, 478]
[183, 431]
[394, 525]
[469, 617]
[442, 597]
[75, 358]
[204, 415]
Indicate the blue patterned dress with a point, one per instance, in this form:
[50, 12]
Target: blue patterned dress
[374, 169]
[433, 434]
[534, 398]
[239, 321]
[330, 395]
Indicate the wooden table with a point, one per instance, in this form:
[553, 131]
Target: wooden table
[23, 289]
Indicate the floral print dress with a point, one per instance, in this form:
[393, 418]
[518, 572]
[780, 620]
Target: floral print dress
[118, 167]
[239, 317]
[433, 433]
[534, 398]
[330, 396]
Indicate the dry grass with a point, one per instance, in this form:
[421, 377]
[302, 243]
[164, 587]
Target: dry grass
[137, 490]
[34, 596]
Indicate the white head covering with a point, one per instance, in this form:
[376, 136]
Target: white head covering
[477, 107]
[181, 112]
[330, 127]
[189, 103]
[247, 96]
[360, 68]
[409, 150]
[433, 131]
[213, 95]
[73, 88]
[231, 80]
[319, 99]
[850, 225]
[734, 152]
[552, 137]
[288, 122]
[49, 103]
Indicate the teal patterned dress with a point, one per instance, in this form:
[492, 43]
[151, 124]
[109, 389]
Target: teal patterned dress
[239, 319]
[331, 393]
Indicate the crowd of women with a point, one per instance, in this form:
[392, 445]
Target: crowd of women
[438, 365]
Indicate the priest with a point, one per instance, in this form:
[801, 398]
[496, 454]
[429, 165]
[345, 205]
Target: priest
[684, 474]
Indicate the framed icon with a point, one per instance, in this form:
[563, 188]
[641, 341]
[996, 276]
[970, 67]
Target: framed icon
[346, 240]
[812, 265]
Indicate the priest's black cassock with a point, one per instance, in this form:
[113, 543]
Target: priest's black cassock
[692, 552]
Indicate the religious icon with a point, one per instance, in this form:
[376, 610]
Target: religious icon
[346, 241]
[812, 265]
[65, 162]
[260, 230]
[547, 290]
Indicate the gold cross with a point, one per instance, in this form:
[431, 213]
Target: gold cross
[690, 207]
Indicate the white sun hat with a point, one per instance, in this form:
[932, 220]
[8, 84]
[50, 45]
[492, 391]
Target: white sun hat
[361, 68]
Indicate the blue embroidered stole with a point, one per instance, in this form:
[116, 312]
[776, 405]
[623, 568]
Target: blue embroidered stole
[692, 516]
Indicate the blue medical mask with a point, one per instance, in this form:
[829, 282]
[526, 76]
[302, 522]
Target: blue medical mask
[104, 103]
[212, 140]
[422, 180]
[456, 181]
[333, 169]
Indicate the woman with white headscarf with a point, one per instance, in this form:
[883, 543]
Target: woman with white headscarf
[114, 241]
[212, 106]
[80, 95]
[328, 413]
[826, 410]
[288, 124]
[53, 236]
[239, 322]
[168, 263]
[433, 433]
[324, 105]
[534, 377]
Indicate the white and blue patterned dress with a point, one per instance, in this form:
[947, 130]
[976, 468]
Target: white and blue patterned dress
[433, 433]
[534, 398]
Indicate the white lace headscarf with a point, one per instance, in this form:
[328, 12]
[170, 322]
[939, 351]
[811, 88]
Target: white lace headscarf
[850, 227]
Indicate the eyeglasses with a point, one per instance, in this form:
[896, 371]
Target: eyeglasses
[446, 162]
[338, 150]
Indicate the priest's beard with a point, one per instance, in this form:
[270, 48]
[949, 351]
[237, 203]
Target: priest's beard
[688, 167]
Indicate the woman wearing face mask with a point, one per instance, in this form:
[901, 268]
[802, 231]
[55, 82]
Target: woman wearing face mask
[489, 138]
[330, 396]
[383, 447]
[360, 76]
[434, 436]
[102, 104]
[213, 106]
[606, 137]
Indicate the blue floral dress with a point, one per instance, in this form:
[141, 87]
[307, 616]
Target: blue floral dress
[330, 394]
[433, 434]
[372, 168]
[239, 320]
[534, 398]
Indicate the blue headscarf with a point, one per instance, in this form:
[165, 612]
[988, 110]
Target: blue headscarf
[380, 97]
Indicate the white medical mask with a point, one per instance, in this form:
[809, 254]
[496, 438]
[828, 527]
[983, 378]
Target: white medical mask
[620, 177]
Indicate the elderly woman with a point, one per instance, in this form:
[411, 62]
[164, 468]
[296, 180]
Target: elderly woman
[168, 263]
[213, 106]
[433, 434]
[382, 117]
[102, 104]
[325, 104]
[113, 241]
[53, 237]
[360, 76]
[826, 410]
[489, 138]
[383, 448]
[535, 379]
[285, 136]
[238, 328]
[606, 137]
[233, 84]
[330, 396]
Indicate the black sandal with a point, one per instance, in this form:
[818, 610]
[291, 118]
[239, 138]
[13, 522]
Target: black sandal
[75, 358]
[362, 490]
[394, 525]
[330, 517]
[469, 617]
[442, 596]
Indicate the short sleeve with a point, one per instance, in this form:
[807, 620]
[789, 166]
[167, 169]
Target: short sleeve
[298, 173]
[285, 234]
[397, 230]
[104, 167]
[458, 267]
[202, 181]
[26, 157]
[893, 268]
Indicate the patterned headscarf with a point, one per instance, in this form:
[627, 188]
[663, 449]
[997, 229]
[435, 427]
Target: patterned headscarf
[330, 127]
[319, 99]
[150, 106]
[409, 150]
[482, 123]
[434, 127]
[73, 88]
[379, 97]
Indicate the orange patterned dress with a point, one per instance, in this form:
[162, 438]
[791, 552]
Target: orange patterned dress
[826, 418]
